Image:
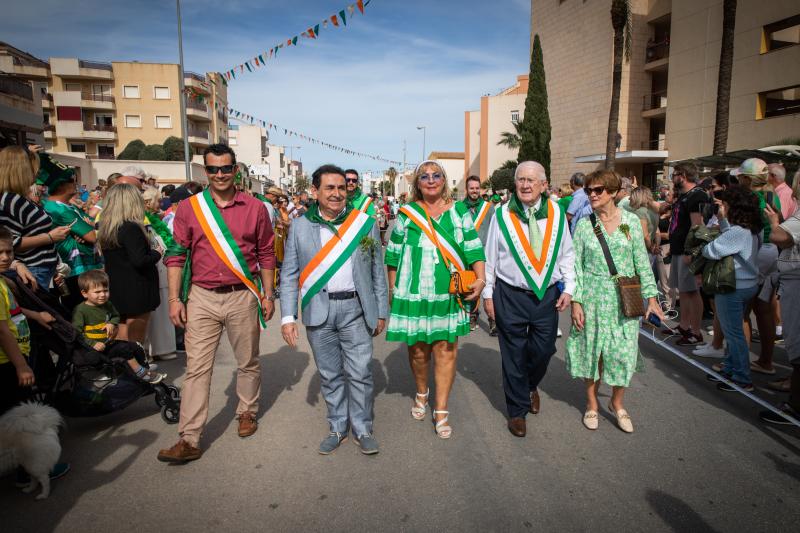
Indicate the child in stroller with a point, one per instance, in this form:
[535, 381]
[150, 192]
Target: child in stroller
[97, 319]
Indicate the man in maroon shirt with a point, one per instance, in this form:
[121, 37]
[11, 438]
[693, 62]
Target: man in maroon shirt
[226, 231]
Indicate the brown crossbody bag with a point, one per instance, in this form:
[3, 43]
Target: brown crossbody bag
[630, 288]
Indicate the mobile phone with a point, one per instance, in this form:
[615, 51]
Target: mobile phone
[654, 320]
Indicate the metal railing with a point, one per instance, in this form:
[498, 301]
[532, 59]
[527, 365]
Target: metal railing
[656, 51]
[654, 144]
[85, 95]
[194, 104]
[89, 126]
[656, 100]
[15, 87]
[94, 64]
[198, 133]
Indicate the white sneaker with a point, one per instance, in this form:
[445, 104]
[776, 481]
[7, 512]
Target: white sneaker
[559, 334]
[709, 351]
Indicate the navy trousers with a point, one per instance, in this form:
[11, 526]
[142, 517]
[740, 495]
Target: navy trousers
[526, 327]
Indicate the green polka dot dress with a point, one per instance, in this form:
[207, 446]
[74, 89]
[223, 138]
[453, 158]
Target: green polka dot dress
[422, 308]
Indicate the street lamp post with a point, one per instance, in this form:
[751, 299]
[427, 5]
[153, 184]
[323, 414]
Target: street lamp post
[184, 126]
[424, 131]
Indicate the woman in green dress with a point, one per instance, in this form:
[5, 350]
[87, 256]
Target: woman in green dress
[424, 315]
[604, 343]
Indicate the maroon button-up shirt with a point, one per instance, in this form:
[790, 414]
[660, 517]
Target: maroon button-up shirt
[249, 224]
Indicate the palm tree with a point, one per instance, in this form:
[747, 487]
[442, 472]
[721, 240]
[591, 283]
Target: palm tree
[724, 80]
[512, 140]
[621, 22]
[391, 174]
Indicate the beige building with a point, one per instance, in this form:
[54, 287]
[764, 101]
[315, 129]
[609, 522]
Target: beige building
[483, 128]
[21, 118]
[267, 162]
[668, 96]
[95, 109]
[453, 164]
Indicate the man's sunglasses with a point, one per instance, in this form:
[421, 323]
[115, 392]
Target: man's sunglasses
[431, 177]
[351, 180]
[599, 190]
[213, 171]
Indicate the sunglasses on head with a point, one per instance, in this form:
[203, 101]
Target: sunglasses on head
[437, 176]
[213, 170]
[600, 189]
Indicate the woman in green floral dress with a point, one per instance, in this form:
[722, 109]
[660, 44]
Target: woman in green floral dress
[604, 343]
[424, 315]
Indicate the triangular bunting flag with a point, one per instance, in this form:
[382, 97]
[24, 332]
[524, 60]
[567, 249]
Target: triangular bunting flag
[294, 40]
[342, 16]
[360, 5]
[351, 9]
[335, 20]
[316, 31]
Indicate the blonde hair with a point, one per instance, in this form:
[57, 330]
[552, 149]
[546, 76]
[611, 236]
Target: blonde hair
[640, 197]
[416, 194]
[123, 203]
[18, 169]
[151, 198]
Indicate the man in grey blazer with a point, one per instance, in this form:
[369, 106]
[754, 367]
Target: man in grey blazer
[333, 268]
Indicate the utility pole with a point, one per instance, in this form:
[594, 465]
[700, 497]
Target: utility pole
[404, 155]
[187, 156]
[424, 132]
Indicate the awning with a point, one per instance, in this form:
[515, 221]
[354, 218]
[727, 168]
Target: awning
[735, 158]
[631, 156]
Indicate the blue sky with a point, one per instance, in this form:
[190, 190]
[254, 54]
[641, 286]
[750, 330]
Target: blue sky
[405, 63]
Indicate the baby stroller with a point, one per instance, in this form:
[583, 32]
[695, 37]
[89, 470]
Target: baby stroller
[77, 380]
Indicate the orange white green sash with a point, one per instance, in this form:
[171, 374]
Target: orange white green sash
[448, 245]
[536, 270]
[333, 254]
[362, 202]
[480, 216]
[216, 231]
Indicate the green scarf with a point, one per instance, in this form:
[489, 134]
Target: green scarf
[313, 215]
[355, 194]
[173, 249]
[473, 204]
[517, 207]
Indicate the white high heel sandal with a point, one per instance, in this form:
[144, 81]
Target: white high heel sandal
[420, 408]
[442, 429]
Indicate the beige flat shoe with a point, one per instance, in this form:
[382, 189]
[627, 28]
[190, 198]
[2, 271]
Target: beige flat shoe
[591, 419]
[623, 419]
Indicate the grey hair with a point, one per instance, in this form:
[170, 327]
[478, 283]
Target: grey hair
[577, 179]
[626, 184]
[134, 172]
[777, 170]
[537, 167]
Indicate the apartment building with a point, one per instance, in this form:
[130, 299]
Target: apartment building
[95, 109]
[483, 129]
[21, 118]
[268, 163]
[669, 85]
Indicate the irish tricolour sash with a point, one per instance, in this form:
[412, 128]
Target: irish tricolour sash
[537, 270]
[480, 216]
[448, 245]
[223, 243]
[363, 203]
[333, 254]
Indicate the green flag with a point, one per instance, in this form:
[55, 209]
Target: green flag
[343, 17]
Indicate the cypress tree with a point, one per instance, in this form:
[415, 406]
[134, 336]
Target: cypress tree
[535, 126]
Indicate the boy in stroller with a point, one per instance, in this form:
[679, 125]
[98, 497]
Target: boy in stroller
[97, 319]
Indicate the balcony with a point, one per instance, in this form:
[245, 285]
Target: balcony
[654, 105]
[80, 69]
[50, 131]
[23, 68]
[96, 101]
[654, 144]
[99, 132]
[47, 100]
[198, 137]
[196, 81]
[197, 111]
[14, 87]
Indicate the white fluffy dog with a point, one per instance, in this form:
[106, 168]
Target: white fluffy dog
[29, 438]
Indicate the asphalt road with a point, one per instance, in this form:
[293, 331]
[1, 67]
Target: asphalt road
[699, 460]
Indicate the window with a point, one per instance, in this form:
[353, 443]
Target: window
[163, 121]
[133, 121]
[161, 93]
[46, 118]
[75, 147]
[515, 117]
[72, 87]
[105, 151]
[103, 119]
[101, 89]
[778, 102]
[130, 91]
[781, 34]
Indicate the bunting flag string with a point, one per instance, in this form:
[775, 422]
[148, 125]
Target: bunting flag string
[271, 126]
[337, 20]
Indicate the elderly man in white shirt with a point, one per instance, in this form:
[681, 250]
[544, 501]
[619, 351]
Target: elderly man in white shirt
[530, 277]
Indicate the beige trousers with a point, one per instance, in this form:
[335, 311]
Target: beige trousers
[208, 313]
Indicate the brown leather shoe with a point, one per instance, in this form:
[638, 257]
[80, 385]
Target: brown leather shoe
[181, 453]
[535, 401]
[247, 424]
[517, 427]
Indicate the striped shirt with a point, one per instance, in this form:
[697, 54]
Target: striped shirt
[24, 218]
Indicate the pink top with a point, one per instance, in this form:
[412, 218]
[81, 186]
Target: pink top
[788, 203]
[249, 224]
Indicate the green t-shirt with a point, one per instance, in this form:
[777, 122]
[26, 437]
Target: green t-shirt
[81, 257]
[645, 213]
[11, 314]
[91, 321]
[762, 204]
[564, 202]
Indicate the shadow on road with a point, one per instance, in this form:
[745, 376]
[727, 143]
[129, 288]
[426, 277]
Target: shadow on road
[676, 513]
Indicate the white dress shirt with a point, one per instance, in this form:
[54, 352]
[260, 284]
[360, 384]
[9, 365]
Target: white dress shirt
[501, 264]
[341, 281]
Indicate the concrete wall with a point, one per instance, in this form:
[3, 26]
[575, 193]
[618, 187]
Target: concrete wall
[694, 64]
[249, 141]
[497, 120]
[92, 170]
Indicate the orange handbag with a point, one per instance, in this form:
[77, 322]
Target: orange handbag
[460, 280]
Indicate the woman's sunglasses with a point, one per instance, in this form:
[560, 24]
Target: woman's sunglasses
[431, 177]
[599, 190]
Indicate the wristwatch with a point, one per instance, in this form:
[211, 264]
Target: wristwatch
[269, 297]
